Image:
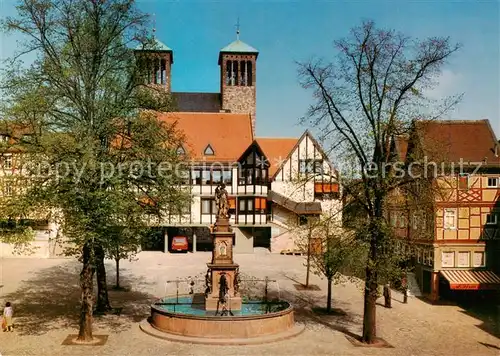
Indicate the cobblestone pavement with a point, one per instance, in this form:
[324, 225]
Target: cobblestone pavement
[46, 296]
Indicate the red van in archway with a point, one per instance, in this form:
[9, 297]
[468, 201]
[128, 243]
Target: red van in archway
[179, 243]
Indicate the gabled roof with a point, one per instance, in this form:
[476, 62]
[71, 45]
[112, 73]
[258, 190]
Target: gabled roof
[453, 140]
[228, 134]
[279, 150]
[261, 158]
[276, 150]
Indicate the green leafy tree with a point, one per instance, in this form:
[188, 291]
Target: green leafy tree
[377, 84]
[124, 244]
[340, 258]
[99, 158]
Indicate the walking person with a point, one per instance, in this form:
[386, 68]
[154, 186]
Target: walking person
[8, 313]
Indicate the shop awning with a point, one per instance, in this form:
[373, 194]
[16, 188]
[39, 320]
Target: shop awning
[472, 279]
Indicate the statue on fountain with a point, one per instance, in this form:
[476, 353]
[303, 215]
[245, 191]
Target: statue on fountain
[221, 201]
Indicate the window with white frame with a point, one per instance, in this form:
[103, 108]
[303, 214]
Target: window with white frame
[493, 182]
[8, 189]
[415, 221]
[7, 162]
[208, 206]
[402, 221]
[447, 259]
[478, 260]
[180, 150]
[394, 219]
[450, 219]
[431, 258]
[491, 219]
[463, 259]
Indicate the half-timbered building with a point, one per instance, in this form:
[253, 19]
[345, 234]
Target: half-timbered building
[452, 224]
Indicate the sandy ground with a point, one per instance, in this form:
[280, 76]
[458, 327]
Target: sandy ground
[45, 296]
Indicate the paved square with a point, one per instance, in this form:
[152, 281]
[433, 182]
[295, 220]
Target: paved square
[45, 296]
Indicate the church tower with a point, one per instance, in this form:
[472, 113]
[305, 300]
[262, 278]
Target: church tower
[237, 63]
[157, 60]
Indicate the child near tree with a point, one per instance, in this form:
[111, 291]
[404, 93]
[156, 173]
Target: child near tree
[7, 316]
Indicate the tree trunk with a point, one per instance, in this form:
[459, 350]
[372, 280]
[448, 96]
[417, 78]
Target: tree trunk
[369, 312]
[308, 258]
[87, 285]
[102, 304]
[329, 296]
[387, 296]
[117, 273]
[371, 282]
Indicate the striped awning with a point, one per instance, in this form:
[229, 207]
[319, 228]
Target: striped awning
[472, 279]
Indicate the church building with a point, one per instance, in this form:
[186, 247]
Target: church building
[273, 183]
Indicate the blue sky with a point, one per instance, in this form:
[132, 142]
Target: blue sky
[289, 31]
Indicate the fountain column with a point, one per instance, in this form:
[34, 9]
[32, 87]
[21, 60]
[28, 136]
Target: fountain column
[222, 270]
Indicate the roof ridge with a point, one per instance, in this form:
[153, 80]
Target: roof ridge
[205, 113]
[276, 138]
[451, 121]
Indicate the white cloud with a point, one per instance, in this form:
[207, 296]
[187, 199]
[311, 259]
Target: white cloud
[449, 83]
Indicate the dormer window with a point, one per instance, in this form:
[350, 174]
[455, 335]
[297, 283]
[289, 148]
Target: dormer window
[209, 151]
[27, 138]
[180, 150]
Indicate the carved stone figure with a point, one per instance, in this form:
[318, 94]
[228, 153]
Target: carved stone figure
[221, 201]
[223, 288]
[236, 282]
[208, 283]
[222, 248]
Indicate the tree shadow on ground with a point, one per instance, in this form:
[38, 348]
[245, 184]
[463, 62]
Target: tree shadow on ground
[487, 312]
[50, 300]
[305, 304]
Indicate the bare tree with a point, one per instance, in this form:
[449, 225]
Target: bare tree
[371, 92]
[85, 100]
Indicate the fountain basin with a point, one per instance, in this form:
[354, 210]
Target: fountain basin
[186, 316]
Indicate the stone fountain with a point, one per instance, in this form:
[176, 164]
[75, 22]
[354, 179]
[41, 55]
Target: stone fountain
[221, 315]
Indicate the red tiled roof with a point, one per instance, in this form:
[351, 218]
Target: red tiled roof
[228, 134]
[276, 151]
[452, 140]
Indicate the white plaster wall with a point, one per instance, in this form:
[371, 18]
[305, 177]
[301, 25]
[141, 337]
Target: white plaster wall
[299, 189]
[243, 240]
[282, 239]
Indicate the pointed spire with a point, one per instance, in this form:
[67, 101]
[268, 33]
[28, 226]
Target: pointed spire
[238, 30]
[154, 25]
